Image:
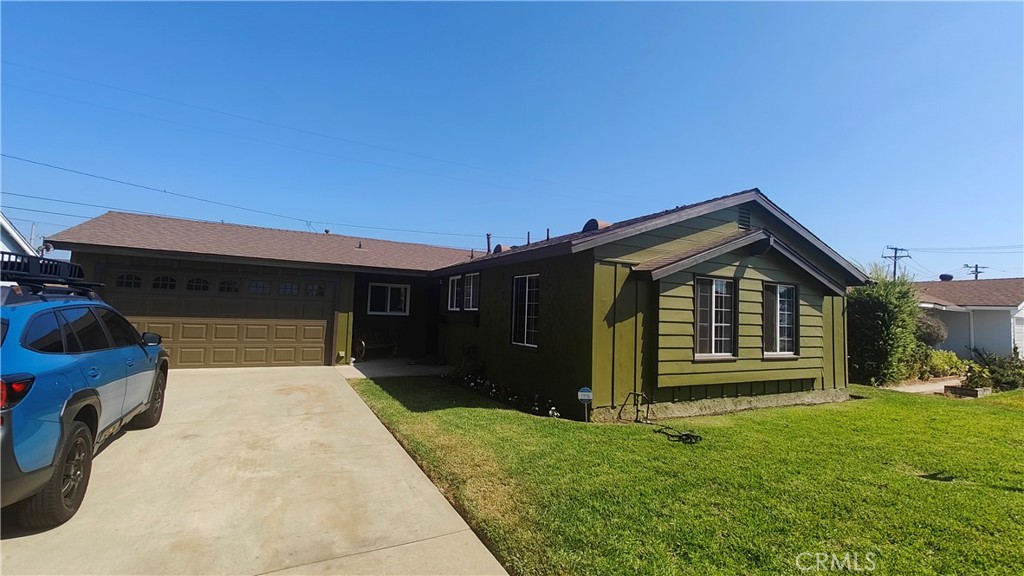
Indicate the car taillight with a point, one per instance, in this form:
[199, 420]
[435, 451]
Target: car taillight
[13, 389]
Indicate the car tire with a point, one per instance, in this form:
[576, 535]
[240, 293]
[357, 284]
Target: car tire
[151, 417]
[60, 499]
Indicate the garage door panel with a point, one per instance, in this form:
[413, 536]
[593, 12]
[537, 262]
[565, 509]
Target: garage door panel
[257, 332]
[163, 307]
[224, 356]
[259, 309]
[313, 332]
[195, 308]
[286, 332]
[313, 355]
[189, 357]
[223, 332]
[191, 331]
[254, 355]
[283, 355]
[287, 309]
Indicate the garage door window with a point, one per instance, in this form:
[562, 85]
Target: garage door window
[128, 281]
[197, 285]
[259, 287]
[288, 289]
[315, 290]
[164, 283]
[228, 286]
[388, 300]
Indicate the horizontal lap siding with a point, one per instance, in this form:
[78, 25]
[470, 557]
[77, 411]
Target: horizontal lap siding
[670, 239]
[750, 370]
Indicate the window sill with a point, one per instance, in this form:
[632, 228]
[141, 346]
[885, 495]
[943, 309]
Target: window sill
[776, 356]
[524, 346]
[387, 313]
[714, 358]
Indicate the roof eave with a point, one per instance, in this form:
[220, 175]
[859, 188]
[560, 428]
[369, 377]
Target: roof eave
[513, 257]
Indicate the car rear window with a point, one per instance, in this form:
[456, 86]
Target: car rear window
[43, 334]
[3, 331]
[84, 324]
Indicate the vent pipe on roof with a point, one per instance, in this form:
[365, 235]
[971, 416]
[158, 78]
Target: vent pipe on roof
[488, 242]
[527, 237]
[945, 277]
[549, 234]
[594, 224]
[472, 253]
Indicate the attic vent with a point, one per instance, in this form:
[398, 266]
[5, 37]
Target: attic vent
[744, 219]
[497, 248]
[595, 224]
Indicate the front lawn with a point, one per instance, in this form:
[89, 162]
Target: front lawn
[921, 484]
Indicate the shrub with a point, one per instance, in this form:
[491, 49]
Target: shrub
[882, 330]
[945, 363]
[931, 330]
[977, 376]
[1002, 372]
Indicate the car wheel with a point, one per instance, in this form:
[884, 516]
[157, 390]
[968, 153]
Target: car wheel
[58, 501]
[151, 416]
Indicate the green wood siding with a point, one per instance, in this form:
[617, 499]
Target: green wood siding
[624, 334]
[670, 239]
[561, 363]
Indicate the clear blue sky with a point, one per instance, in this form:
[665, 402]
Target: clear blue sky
[872, 124]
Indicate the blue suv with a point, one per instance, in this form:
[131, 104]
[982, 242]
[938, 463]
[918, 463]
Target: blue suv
[74, 372]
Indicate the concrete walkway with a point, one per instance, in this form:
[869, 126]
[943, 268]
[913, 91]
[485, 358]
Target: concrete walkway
[256, 471]
[387, 368]
[930, 387]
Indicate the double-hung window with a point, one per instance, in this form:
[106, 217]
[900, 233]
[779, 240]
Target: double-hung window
[464, 292]
[387, 300]
[454, 293]
[780, 318]
[716, 317]
[525, 308]
[471, 292]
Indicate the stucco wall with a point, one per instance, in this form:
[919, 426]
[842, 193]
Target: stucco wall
[993, 331]
[959, 339]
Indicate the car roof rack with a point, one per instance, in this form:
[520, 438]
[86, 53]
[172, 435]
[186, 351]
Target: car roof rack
[45, 274]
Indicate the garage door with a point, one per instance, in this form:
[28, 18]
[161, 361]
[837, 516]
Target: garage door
[211, 320]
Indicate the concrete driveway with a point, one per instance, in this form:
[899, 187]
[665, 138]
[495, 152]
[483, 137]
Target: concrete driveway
[255, 471]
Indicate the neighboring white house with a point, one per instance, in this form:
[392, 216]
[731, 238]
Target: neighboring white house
[984, 314]
[13, 241]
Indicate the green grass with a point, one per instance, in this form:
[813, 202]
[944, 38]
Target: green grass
[927, 485]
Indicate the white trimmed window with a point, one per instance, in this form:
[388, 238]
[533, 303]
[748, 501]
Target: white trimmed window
[471, 292]
[716, 317]
[780, 319]
[454, 293]
[387, 299]
[525, 308]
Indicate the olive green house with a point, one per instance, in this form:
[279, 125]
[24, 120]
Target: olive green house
[729, 302]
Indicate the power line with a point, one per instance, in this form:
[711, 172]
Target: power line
[47, 212]
[301, 148]
[144, 187]
[306, 131]
[976, 270]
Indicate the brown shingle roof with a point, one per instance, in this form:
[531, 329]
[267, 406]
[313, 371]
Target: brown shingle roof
[991, 292]
[121, 230]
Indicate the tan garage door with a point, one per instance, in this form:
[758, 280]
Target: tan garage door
[210, 320]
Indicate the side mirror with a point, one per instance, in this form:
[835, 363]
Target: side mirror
[151, 338]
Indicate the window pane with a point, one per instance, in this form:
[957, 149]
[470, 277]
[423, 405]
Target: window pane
[128, 281]
[397, 300]
[43, 334]
[378, 299]
[315, 290]
[259, 287]
[771, 319]
[288, 289]
[197, 285]
[703, 316]
[471, 292]
[453, 292]
[120, 330]
[229, 286]
[85, 325]
[164, 283]
[518, 310]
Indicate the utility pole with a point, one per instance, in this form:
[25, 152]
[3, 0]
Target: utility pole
[976, 271]
[896, 257]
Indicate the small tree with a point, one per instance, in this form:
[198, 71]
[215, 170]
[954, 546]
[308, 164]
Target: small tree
[883, 326]
[931, 330]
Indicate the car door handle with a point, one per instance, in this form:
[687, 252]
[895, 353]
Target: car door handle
[131, 363]
[94, 372]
